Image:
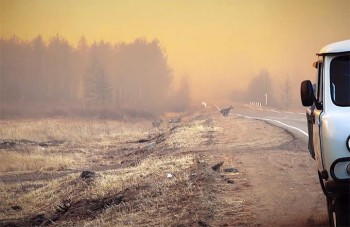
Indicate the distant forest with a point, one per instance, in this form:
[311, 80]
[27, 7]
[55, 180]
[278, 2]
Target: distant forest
[53, 78]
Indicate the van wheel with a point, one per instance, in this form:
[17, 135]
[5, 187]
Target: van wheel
[342, 210]
[330, 210]
[330, 203]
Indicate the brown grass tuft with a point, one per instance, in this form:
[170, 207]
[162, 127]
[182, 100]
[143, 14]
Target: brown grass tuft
[15, 161]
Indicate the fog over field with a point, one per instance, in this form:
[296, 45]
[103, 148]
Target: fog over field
[128, 58]
[101, 79]
[134, 113]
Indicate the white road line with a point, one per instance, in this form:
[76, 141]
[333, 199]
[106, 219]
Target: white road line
[266, 119]
[298, 129]
[274, 111]
[216, 107]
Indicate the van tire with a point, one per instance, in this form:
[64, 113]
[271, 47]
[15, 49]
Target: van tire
[330, 210]
[342, 210]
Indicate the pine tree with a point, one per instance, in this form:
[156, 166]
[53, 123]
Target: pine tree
[98, 93]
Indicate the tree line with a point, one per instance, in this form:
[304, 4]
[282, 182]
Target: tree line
[264, 89]
[102, 79]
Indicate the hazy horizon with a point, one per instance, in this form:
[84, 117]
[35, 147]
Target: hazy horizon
[219, 46]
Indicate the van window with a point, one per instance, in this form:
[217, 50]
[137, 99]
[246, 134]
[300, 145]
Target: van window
[319, 94]
[340, 80]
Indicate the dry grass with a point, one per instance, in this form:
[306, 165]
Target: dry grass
[191, 135]
[77, 140]
[139, 192]
[15, 161]
[148, 195]
[158, 200]
[109, 182]
[68, 130]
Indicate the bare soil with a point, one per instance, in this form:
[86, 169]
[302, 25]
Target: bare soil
[207, 170]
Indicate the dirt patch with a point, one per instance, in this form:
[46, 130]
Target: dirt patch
[281, 196]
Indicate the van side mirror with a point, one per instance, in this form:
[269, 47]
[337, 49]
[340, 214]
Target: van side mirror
[307, 93]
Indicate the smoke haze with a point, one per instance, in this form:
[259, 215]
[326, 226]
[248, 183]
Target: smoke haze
[222, 49]
[104, 80]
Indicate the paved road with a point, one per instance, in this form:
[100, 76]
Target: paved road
[295, 122]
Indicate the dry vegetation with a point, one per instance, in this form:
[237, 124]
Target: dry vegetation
[34, 161]
[58, 144]
[137, 175]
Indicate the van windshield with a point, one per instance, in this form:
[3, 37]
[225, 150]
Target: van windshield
[340, 80]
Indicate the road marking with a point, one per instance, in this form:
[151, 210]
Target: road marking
[217, 107]
[274, 111]
[271, 120]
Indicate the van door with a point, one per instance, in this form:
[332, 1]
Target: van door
[316, 130]
[310, 117]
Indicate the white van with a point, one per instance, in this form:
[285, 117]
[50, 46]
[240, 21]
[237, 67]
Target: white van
[328, 120]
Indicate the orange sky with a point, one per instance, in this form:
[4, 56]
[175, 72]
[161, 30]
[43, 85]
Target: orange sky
[218, 44]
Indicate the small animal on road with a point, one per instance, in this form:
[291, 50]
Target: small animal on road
[227, 111]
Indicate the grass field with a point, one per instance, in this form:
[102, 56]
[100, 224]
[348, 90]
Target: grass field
[135, 174]
[146, 191]
[58, 144]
